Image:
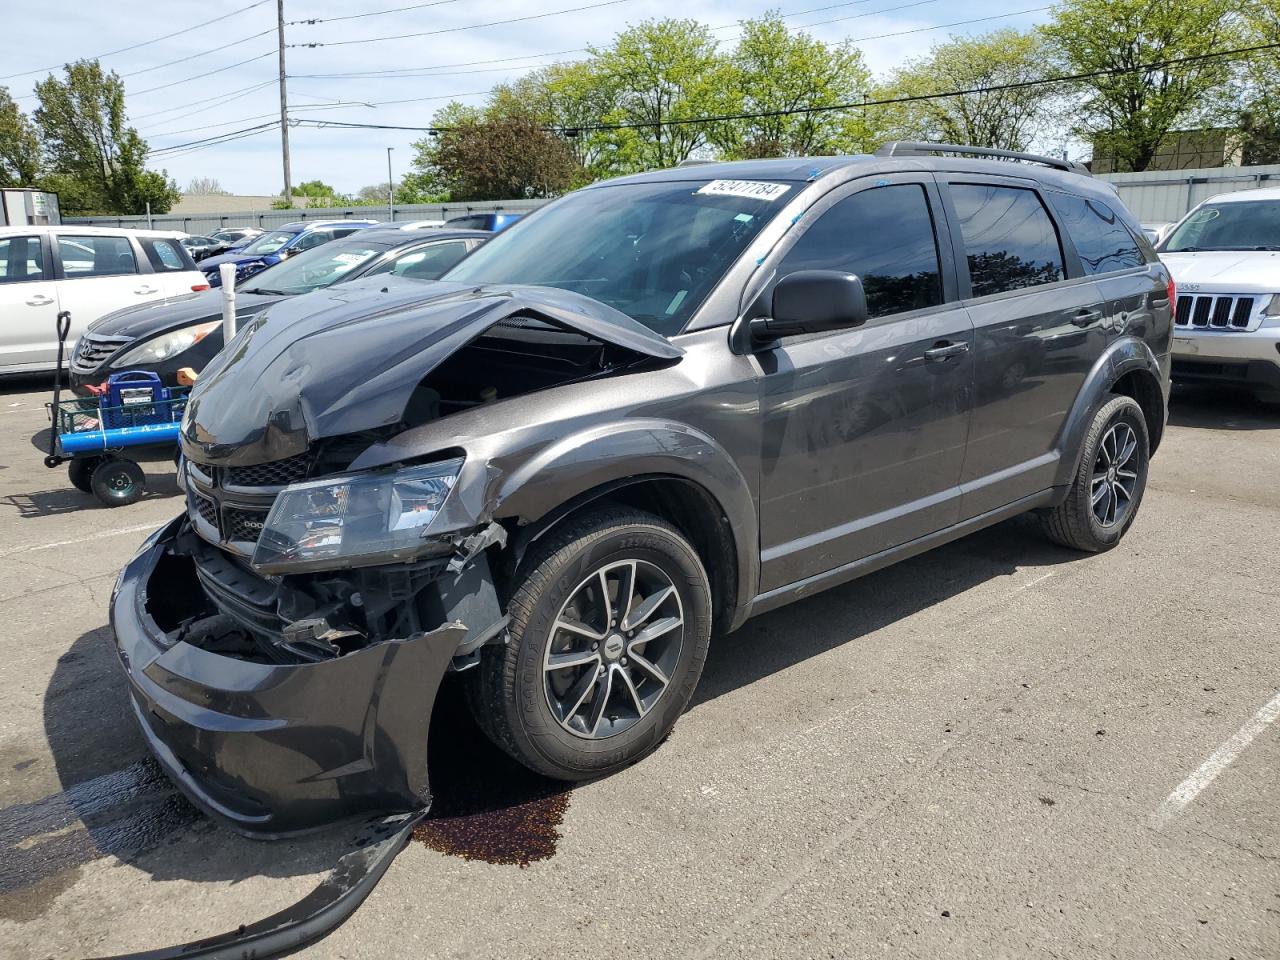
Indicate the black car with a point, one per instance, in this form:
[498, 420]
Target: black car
[166, 336]
[645, 413]
[235, 237]
[201, 247]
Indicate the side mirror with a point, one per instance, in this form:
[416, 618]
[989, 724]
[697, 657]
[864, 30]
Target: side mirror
[812, 301]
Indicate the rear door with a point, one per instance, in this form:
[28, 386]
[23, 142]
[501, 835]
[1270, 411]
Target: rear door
[99, 273]
[863, 429]
[28, 303]
[1039, 327]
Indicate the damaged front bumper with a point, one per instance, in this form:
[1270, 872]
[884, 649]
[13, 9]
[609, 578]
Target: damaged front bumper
[278, 748]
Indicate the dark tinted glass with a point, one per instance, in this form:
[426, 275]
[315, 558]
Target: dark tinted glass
[885, 236]
[1231, 225]
[1102, 240]
[426, 263]
[21, 259]
[167, 256]
[1009, 239]
[95, 256]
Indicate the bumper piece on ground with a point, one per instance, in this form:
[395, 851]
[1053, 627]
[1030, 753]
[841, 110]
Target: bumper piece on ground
[322, 910]
[275, 749]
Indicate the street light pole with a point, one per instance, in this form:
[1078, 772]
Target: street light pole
[391, 194]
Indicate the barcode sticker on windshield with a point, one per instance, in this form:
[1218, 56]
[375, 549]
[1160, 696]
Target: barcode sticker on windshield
[753, 189]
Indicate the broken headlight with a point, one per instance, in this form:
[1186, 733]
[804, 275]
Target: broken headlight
[354, 519]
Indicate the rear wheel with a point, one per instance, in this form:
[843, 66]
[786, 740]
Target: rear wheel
[610, 624]
[81, 472]
[118, 483]
[1109, 483]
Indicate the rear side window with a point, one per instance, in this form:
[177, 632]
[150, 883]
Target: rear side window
[1009, 241]
[314, 239]
[885, 236]
[1102, 240]
[21, 259]
[167, 256]
[95, 256]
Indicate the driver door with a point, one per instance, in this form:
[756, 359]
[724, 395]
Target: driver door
[864, 429]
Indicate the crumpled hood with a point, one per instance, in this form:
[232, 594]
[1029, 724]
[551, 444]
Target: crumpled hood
[1228, 271]
[346, 359]
[160, 316]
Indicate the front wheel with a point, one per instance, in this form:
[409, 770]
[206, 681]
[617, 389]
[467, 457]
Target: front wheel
[1107, 489]
[610, 624]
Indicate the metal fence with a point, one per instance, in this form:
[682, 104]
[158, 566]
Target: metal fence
[1153, 196]
[202, 223]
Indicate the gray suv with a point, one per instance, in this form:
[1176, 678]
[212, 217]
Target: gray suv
[649, 411]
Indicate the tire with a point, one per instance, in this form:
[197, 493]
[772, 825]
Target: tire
[81, 473]
[513, 689]
[1075, 522]
[118, 483]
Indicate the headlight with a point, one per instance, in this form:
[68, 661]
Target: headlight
[1272, 309]
[167, 345]
[355, 519]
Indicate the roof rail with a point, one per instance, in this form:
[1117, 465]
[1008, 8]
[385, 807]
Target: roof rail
[912, 148]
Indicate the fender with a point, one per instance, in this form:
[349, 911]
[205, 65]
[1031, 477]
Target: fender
[1121, 357]
[610, 455]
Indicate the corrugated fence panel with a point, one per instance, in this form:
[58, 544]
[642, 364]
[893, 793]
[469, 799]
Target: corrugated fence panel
[1153, 196]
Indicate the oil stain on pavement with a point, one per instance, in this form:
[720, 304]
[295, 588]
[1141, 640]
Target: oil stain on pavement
[485, 806]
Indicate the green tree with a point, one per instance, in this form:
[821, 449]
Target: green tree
[1010, 119]
[19, 145]
[503, 157]
[1258, 88]
[1128, 112]
[661, 71]
[96, 162]
[775, 70]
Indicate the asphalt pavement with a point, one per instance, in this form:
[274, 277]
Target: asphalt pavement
[999, 749]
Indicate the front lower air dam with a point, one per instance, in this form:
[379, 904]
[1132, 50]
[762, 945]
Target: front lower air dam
[273, 749]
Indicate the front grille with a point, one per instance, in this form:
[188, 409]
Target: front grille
[278, 473]
[93, 350]
[243, 525]
[1214, 312]
[206, 509]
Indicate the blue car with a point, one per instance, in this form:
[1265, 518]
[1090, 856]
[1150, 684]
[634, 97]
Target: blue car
[493, 222]
[279, 244]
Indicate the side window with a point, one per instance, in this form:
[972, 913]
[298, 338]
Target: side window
[1101, 238]
[884, 235]
[1009, 240]
[307, 241]
[344, 232]
[20, 259]
[95, 256]
[166, 256]
[427, 263]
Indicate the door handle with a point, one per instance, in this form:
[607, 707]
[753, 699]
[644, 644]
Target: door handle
[1083, 318]
[39, 300]
[945, 351]
[146, 290]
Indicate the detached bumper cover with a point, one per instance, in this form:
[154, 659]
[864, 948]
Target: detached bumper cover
[278, 749]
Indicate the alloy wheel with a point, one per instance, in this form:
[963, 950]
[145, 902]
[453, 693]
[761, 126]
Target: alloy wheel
[613, 647]
[1115, 474]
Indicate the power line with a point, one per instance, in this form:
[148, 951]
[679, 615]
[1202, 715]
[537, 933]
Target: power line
[207, 73]
[857, 105]
[204, 53]
[144, 43]
[209, 104]
[211, 140]
[372, 13]
[474, 26]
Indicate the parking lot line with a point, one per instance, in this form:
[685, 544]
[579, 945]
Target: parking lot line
[30, 548]
[1218, 761]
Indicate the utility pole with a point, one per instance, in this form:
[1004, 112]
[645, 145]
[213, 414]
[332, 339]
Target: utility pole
[284, 106]
[391, 191]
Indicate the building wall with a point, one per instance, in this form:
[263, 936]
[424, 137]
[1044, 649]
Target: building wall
[1180, 150]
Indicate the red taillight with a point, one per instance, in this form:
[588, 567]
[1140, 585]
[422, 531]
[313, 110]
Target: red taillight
[1173, 294]
[197, 287]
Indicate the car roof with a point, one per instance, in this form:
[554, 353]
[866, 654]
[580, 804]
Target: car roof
[85, 230]
[808, 169]
[299, 225]
[397, 237]
[1241, 196]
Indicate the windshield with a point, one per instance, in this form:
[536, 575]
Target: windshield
[1238, 225]
[269, 242]
[651, 250]
[312, 269]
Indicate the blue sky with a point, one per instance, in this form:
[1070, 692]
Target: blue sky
[183, 110]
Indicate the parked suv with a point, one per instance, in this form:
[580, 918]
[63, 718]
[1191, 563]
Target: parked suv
[1225, 259]
[88, 271]
[650, 410]
[270, 248]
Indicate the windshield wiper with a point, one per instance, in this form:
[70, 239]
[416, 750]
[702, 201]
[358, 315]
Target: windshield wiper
[268, 293]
